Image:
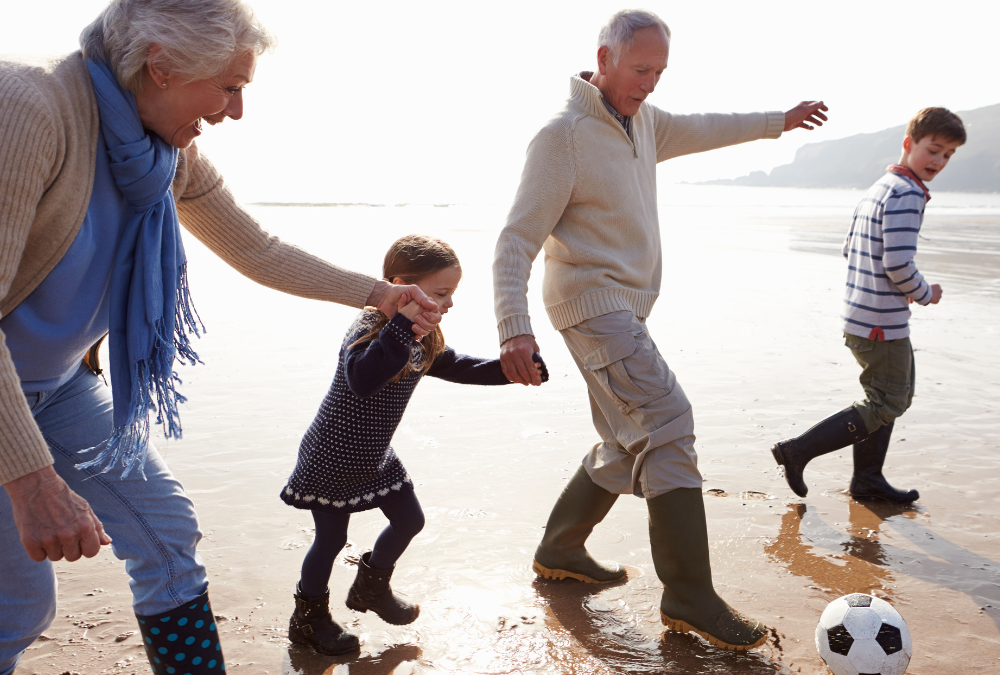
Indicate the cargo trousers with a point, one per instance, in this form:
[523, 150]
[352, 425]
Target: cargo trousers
[639, 409]
[888, 374]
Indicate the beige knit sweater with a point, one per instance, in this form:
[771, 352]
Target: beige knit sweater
[48, 140]
[588, 196]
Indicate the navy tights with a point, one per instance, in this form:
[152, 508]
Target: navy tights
[406, 519]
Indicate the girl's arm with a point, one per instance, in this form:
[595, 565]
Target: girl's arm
[463, 369]
[368, 367]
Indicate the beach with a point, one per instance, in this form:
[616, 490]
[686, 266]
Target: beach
[748, 320]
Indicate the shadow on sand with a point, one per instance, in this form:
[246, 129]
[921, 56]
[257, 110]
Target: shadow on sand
[304, 661]
[869, 564]
[621, 648]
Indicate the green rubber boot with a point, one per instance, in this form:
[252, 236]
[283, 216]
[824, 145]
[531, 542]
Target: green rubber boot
[562, 555]
[678, 538]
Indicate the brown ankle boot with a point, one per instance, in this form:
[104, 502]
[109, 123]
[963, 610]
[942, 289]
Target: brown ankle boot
[371, 590]
[312, 625]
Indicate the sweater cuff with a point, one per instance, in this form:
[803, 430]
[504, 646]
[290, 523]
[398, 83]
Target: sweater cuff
[399, 329]
[775, 124]
[512, 326]
[23, 450]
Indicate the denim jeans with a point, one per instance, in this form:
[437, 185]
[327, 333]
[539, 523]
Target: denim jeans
[152, 521]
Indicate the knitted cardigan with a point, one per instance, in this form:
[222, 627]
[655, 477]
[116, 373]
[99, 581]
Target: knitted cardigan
[588, 195]
[48, 139]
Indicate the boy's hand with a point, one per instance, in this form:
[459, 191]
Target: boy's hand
[935, 293]
[804, 114]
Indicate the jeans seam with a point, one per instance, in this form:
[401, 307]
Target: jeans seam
[160, 547]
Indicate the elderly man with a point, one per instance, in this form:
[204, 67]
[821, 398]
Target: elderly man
[588, 196]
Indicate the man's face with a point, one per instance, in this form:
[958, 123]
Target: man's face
[927, 157]
[633, 78]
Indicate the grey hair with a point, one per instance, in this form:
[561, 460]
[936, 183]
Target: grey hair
[198, 39]
[618, 33]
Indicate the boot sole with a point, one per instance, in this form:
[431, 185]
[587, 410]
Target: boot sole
[776, 453]
[883, 498]
[559, 575]
[357, 607]
[685, 627]
[302, 642]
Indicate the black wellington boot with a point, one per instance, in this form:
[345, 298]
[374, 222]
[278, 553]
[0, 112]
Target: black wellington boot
[312, 625]
[678, 537]
[183, 640]
[371, 590]
[561, 554]
[835, 432]
[868, 481]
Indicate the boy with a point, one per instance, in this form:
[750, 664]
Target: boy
[882, 281]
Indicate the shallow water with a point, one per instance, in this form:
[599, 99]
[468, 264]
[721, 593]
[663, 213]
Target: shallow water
[748, 320]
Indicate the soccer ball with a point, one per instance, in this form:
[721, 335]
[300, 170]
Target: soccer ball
[860, 634]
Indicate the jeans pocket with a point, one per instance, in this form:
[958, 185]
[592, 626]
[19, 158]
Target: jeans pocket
[613, 363]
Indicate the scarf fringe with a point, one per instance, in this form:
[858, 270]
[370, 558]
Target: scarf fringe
[154, 389]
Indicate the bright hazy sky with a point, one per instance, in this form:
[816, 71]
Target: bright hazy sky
[391, 102]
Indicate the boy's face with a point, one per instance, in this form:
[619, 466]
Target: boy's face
[927, 157]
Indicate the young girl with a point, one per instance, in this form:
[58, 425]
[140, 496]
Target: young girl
[345, 462]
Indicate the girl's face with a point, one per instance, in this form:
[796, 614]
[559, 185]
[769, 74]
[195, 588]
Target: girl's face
[440, 286]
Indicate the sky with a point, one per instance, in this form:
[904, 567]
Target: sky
[436, 102]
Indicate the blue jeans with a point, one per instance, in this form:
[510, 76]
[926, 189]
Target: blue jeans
[152, 521]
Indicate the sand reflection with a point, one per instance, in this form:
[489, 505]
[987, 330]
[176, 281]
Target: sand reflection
[863, 562]
[397, 660]
[603, 620]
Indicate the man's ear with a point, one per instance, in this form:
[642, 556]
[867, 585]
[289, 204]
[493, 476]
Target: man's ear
[603, 59]
[907, 144]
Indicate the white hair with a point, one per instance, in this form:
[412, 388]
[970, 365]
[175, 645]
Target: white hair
[198, 39]
[618, 33]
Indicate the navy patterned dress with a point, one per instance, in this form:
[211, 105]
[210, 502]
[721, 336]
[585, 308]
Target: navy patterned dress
[345, 461]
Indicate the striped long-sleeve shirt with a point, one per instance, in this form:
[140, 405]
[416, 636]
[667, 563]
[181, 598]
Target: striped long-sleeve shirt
[881, 275]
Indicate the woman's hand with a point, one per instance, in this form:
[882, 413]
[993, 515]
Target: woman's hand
[54, 522]
[388, 298]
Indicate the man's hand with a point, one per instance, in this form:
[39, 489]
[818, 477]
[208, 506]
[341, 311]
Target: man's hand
[54, 522]
[806, 115]
[935, 293]
[387, 298]
[516, 361]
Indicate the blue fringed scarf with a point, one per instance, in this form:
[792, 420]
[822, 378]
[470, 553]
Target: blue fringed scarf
[151, 310]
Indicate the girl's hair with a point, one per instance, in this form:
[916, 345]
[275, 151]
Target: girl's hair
[411, 258]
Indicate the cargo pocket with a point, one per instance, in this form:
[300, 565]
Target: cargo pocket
[611, 363]
[858, 344]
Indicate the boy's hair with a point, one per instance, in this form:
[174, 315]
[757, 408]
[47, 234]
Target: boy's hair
[411, 258]
[936, 122]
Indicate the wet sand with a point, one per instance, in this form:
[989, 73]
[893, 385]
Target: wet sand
[747, 319]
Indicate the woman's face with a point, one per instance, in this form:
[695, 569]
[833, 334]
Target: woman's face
[175, 112]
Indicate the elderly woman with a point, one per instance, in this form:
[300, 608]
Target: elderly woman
[98, 168]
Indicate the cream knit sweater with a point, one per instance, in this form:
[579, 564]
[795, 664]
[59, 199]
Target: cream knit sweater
[48, 140]
[588, 196]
